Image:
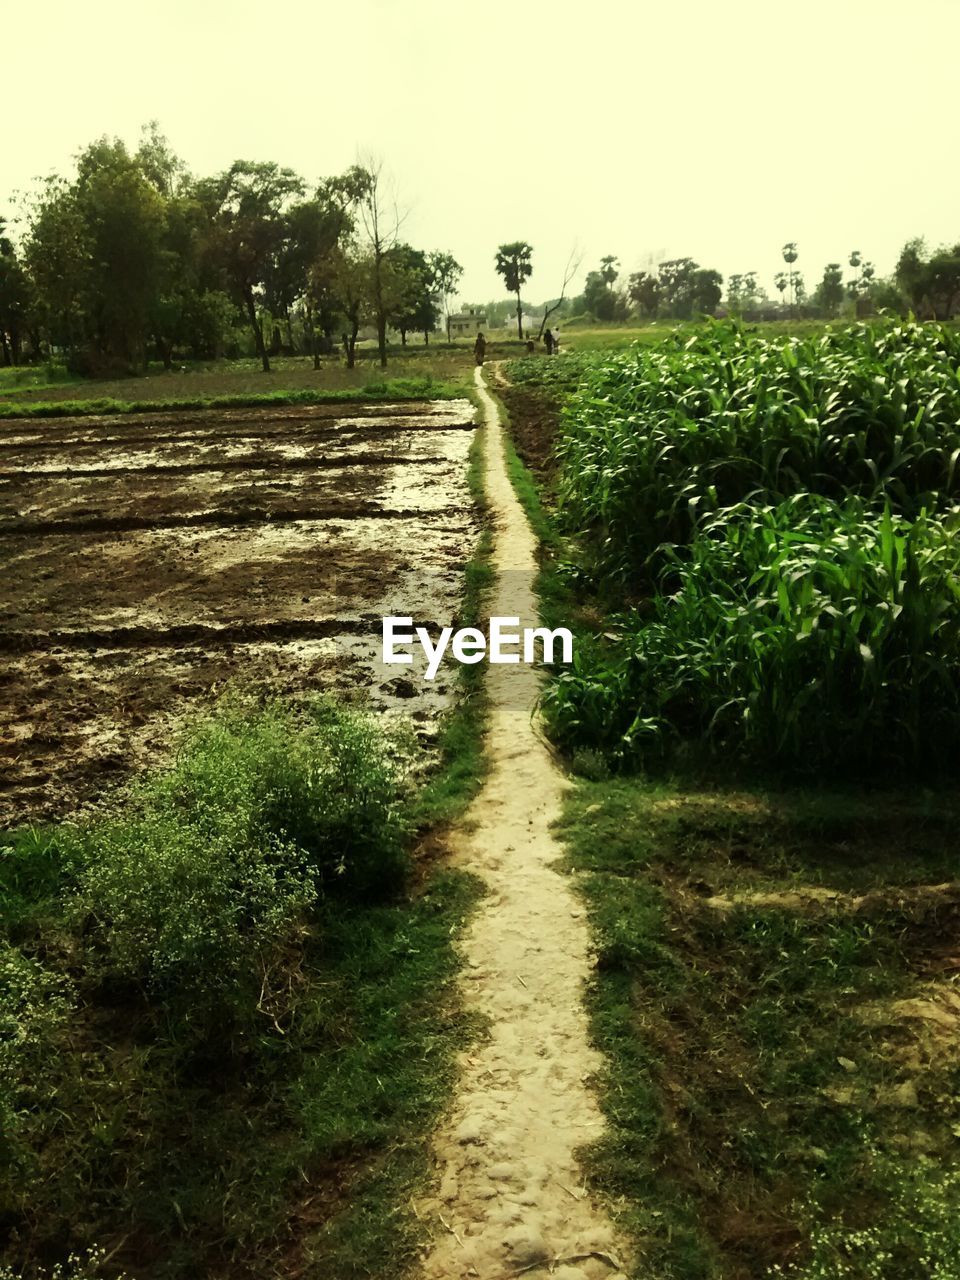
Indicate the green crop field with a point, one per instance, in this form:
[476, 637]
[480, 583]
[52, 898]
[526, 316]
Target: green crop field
[755, 533]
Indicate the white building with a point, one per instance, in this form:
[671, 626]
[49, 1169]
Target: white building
[466, 324]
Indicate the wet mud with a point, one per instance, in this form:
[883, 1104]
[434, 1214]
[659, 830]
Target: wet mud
[151, 561]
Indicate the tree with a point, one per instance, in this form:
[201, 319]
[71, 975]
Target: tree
[382, 226]
[158, 163]
[790, 256]
[574, 260]
[351, 282]
[684, 287]
[57, 253]
[644, 291]
[445, 274]
[599, 296]
[707, 290]
[94, 252]
[743, 292]
[249, 222]
[609, 270]
[411, 304]
[312, 230]
[514, 264]
[829, 293]
[676, 287]
[910, 272]
[16, 297]
[931, 284]
[859, 284]
[124, 214]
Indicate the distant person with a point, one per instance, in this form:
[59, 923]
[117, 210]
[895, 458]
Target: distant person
[548, 341]
[480, 348]
[556, 342]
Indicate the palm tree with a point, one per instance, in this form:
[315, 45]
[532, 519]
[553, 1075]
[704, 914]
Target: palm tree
[790, 256]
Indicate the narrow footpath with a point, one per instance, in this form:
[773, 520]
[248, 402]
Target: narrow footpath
[511, 1195]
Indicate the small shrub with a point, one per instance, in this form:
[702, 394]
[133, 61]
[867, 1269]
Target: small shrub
[215, 864]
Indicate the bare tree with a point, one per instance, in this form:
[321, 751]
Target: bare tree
[382, 220]
[570, 270]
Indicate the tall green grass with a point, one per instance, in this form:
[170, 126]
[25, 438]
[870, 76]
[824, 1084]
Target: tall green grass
[774, 522]
[805, 633]
[656, 438]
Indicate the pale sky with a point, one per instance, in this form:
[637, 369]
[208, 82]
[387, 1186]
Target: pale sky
[671, 127]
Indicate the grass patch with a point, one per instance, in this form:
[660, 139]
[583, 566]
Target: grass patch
[236, 978]
[387, 389]
[202, 380]
[463, 762]
[770, 1102]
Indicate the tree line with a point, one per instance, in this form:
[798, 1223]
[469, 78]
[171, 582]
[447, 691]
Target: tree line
[135, 258]
[924, 282]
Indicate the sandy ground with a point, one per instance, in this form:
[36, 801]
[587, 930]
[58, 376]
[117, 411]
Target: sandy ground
[511, 1198]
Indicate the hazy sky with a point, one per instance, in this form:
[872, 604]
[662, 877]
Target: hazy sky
[691, 127]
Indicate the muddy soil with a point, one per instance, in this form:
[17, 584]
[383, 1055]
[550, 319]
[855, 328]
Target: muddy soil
[533, 419]
[151, 560]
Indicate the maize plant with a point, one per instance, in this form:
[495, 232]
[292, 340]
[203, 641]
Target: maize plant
[805, 633]
[659, 438]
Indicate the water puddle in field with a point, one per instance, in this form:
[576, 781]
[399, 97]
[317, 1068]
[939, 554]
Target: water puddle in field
[135, 595]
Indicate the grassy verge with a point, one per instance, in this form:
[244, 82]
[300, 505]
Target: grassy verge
[781, 1078]
[202, 380]
[424, 388]
[228, 1016]
[463, 762]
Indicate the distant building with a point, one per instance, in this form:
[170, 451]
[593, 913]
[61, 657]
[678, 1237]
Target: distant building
[531, 324]
[466, 323]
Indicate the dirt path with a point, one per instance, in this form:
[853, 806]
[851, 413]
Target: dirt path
[511, 1198]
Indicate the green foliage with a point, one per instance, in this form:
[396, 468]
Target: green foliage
[34, 1006]
[513, 263]
[917, 1234]
[931, 282]
[806, 634]
[252, 1001]
[600, 298]
[788, 508]
[659, 436]
[387, 389]
[217, 860]
[828, 294]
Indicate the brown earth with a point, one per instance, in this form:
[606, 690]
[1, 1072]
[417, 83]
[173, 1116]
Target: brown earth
[533, 415]
[150, 560]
